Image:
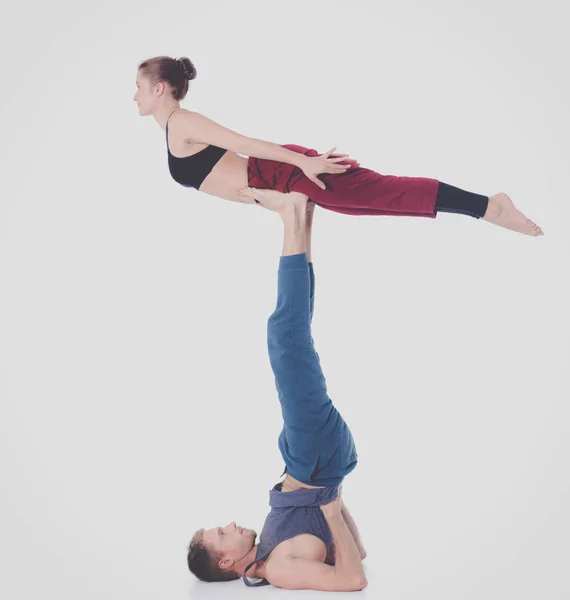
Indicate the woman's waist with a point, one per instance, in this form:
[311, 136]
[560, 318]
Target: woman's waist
[234, 172]
[275, 175]
[227, 178]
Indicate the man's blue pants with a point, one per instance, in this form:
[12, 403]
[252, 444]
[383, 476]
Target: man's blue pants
[316, 443]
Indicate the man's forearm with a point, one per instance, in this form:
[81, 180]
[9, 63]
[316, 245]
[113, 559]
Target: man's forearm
[353, 530]
[271, 151]
[348, 563]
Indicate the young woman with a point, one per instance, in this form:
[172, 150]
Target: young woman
[206, 156]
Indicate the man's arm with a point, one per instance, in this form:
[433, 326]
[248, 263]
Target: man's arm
[302, 574]
[330, 558]
[346, 575]
[353, 530]
[347, 555]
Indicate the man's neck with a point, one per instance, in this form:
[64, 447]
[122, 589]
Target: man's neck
[240, 566]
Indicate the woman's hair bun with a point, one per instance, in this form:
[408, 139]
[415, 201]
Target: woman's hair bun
[188, 67]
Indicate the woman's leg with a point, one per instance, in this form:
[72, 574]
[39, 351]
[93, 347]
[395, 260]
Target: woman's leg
[497, 209]
[452, 199]
[360, 191]
[356, 191]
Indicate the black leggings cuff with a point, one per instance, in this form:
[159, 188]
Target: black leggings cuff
[452, 199]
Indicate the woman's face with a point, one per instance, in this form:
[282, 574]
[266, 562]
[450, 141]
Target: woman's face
[145, 97]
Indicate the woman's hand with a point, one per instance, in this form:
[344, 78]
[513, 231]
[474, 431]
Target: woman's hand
[326, 163]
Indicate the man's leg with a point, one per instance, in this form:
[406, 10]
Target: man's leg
[308, 235]
[315, 442]
[289, 327]
[280, 203]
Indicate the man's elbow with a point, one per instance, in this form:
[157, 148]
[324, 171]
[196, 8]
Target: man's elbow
[360, 583]
[352, 584]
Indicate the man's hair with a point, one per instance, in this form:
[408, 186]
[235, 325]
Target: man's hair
[204, 564]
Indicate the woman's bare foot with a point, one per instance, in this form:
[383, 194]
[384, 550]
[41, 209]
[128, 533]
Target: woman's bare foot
[274, 200]
[501, 211]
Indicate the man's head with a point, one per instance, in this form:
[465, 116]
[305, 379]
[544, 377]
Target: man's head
[214, 553]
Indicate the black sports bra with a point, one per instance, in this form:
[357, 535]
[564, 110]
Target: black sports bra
[190, 171]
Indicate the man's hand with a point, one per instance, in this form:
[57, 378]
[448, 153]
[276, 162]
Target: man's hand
[353, 529]
[333, 508]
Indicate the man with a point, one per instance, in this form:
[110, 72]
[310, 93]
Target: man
[309, 539]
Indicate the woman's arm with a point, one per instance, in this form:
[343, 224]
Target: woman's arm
[199, 128]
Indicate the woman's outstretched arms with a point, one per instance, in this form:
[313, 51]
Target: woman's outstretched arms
[199, 128]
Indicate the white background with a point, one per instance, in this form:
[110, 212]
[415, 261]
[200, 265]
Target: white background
[137, 400]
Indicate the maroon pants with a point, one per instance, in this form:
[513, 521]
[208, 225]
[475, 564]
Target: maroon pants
[357, 191]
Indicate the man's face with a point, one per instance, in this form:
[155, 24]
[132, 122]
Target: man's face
[230, 541]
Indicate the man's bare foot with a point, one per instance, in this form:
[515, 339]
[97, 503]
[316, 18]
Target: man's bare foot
[501, 211]
[274, 200]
